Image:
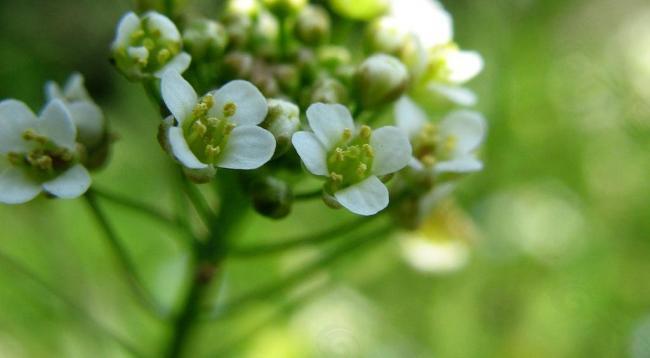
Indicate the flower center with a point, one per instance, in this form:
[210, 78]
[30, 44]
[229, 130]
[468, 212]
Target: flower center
[350, 162]
[429, 147]
[207, 135]
[45, 161]
[149, 49]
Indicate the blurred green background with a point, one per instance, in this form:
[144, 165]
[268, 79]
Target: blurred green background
[561, 266]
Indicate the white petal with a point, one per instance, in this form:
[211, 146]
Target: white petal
[75, 89]
[56, 123]
[328, 121]
[464, 65]
[249, 147]
[178, 94]
[425, 18]
[181, 150]
[53, 91]
[457, 95]
[89, 120]
[430, 200]
[127, 25]
[311, 152]
[365, 198]
[392, 150]
[468, 128]
[71, 184]
[16, 187]
[409, 116]
[179, 64]
[464, 164]
[163, 24]
[251, 105]
[15, 118]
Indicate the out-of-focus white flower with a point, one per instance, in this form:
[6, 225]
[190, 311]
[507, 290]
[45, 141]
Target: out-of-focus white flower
[148, 46]
[86, 115]
[448, 146]
[381, 78]
[426, 19]
[219, 129]
[38, 153]
[351, 158]
[450, 65]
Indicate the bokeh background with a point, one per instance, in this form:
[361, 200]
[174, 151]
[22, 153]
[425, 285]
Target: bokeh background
[559, 256]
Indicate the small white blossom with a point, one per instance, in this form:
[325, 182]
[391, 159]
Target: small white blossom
[445, 147]
[86, 115]
[148, 45]
[38, 153]
[219, 129]
[351, 158]
[426, 19]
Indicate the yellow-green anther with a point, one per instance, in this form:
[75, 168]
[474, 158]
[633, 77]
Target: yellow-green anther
[365, 132]
[347, 134]
[198, 131]
[137, 34]
[44, 162]
[31, 135]
[368, 150]
[339, 154]
[229, 109]
[156, 33]
[361, 170]
[428, 160]
[228, 128]
[211, 152]
[353, 152]
[335, 177]
[164, 55]
[148, 44]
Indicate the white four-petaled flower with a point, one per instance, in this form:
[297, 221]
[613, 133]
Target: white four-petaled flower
[351, 158]
[219, 129]
[38, 153]
[447, 147]
[148, 45]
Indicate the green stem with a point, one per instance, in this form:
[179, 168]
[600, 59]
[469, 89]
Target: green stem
[76, 309]
[308, 195]
[200, 204]
[298, 242]
[297, 277]
[126, 265]
[283, 38]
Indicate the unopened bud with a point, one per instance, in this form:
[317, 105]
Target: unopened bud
[285, 8]
[386, 36]
[288, 77]
[327, 90]
[360, 9]
[205, 39]
[381, 79]
[266, 31]
[313, 25]
[238, 64]
[282, 120]
[272, 197]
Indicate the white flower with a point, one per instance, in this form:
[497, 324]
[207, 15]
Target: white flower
[445, 147]
[426, 19]
[219, 129]
[352, 159]
[38, 154]
[146, 46]
[86, 115]
[451, 65]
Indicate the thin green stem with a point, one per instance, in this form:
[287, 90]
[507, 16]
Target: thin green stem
[307, 271]
[201, 205]
[68, 302]
[308, 195]
[283, 37]
[126, 265]
[298, 242]
[175, 223]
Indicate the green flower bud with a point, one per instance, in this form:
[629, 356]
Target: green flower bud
[288, 77]
[385, 35]
[360, 9]
[313, 25]
[205, 39]
[333, 57]
[282, 120]
[381, 79]
[266, 31]
[271, 197]
[262, 77]
[285, 8]
[248, 8]
[327, 90]
[238, 64]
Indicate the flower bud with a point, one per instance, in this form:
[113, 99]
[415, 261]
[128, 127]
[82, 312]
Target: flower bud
[313, 25]
[327, 90]
[282, 120]
[284, 8]
[360, 9]
[205, 39]
[266, 31]
[333, 57]
[288, 77]
[385, 35]
[381, 79]
[238, 64]
[271, 197]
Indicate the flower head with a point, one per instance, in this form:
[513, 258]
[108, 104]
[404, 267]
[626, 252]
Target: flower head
[219, 129]
[448, 146]
[148, 46]
[38, 153]
[351, 158]
[426, 19]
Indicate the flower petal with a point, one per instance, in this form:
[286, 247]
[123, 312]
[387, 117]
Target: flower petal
[74, 89]
[181, 150]
[160, 22]
[409, 116]
[178, 94]
[457, 95]
[15, 118]
[16, 187]
[464, 65]
[251, 104]
[392, 150]
[56, 123]
[127, 25]
[431, 199]
[53, 91]
[71, 184]
[468, 128]
[328, 121]
[249, 147]
[89, 120]
[365, 198]
[311, 152]
[464, 164]
[179, 64]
